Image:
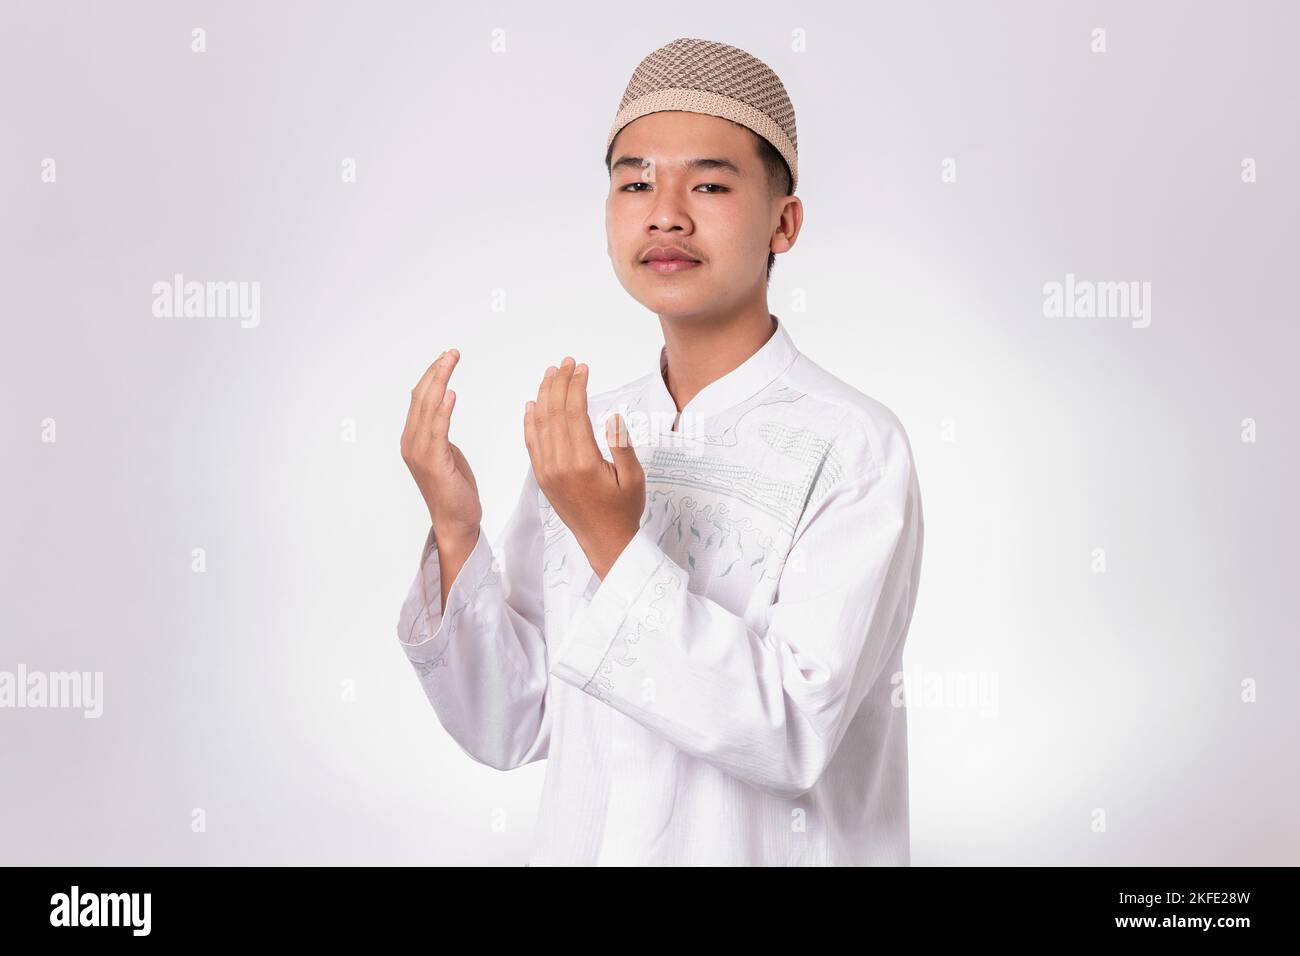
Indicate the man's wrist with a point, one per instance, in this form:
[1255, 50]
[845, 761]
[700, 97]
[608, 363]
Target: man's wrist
[454, 550]
[459, 541]
[602, 556]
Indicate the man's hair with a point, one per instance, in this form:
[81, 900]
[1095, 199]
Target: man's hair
[779, 180]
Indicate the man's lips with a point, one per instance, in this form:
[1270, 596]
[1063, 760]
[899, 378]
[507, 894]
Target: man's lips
[667, 260]
[667, 266]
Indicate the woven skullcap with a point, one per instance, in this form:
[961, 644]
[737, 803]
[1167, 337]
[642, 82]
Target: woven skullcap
[701, 76]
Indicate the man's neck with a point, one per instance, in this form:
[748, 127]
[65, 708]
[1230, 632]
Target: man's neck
[701, 351]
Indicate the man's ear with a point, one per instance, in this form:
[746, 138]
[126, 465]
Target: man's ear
[787, 230]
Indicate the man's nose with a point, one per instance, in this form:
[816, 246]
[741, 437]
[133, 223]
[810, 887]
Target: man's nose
[668, 213]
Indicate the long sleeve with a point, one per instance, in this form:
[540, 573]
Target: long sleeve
[768, 705]
[482, 659]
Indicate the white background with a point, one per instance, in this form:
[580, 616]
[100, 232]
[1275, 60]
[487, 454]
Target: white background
[481, 171]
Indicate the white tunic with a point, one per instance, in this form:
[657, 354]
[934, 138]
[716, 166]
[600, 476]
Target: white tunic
[730, 693]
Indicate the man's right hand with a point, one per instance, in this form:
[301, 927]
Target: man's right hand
[440, 470]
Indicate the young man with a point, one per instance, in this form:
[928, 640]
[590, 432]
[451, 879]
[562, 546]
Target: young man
[704, 589]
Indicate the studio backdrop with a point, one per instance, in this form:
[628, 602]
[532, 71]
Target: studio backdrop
[1057, 240]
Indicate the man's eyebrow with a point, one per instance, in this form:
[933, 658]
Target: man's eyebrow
[638, 162]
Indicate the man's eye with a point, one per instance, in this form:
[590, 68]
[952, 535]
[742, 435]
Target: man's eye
[713, 188]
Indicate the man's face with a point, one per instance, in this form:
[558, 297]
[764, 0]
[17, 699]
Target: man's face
[696, 183]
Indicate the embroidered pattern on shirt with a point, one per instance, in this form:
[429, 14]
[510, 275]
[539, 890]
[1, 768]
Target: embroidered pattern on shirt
[780, 499]
[784, 500]
[647, 617]
[706, 538]
[563, 565]
[811, 449]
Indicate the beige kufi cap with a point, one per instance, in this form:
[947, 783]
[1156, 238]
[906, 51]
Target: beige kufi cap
[701, 76]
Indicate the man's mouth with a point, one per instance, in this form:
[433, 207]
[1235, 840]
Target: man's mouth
[666, 260]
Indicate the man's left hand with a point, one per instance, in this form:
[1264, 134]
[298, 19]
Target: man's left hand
[600, 501]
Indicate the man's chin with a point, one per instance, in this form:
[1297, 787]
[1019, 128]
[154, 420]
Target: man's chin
[670, 297]
[677, 308]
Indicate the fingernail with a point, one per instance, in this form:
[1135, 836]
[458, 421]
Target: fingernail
[550, 371]
[581, 370]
